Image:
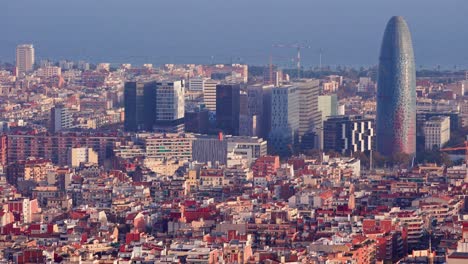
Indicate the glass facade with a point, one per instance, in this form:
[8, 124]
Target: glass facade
[396, 93]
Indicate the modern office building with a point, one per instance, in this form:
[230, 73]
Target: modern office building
[266, 116]
[209, 94]
[60, 119]
[422, 117]
[327, 106]
[348, 134]
[214, 149]
[285, 122]
[196, 84]
[164, 106]
[197, 121]
[436, 132]
[396, 93]
[309, 115]
[134, 106]
[24, 58]
[259, 108]
[227, 116]
[249, 148]
[247, 121]
[208, 148]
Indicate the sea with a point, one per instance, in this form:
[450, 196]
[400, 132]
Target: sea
[330, 33]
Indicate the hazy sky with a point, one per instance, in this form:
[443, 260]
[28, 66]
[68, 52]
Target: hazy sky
[201, 31]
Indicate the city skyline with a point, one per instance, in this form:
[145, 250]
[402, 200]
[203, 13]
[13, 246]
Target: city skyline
[169, 132]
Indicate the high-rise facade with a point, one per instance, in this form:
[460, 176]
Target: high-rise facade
[196, 84]
[266, 115]
[228, 108]
[209, 94]
[327, 106]
[396, 92]
[24, 58]
[164, 106]
[60, 119]
[247, 122]
[285, 122]
[134, 106]
[259, 102]
[348, 134]
[436, 132]
[310, 119]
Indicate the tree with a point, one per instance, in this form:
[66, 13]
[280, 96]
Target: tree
[400, 158]
[379, 160]
[363, 157]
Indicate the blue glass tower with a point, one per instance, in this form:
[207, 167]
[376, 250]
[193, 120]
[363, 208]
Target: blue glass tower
[396, 91]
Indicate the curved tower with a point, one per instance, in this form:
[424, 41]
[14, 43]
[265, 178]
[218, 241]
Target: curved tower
[396, 91]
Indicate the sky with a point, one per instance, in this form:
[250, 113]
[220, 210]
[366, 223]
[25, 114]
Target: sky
[348, 32]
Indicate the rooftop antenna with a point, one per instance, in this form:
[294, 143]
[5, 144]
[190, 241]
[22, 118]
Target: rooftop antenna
[271, 70]
[320, 58]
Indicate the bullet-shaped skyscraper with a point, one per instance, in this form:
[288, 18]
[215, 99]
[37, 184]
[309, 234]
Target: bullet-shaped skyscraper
[396, 92]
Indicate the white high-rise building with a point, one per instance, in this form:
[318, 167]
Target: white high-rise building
[167, 106]
[77, 156]
[24, 58]
[170, 101]
[196, 84]
[328, 105]
[310, 119]
[436, 131]
[285, 119]
[60, 119]
[209, 94]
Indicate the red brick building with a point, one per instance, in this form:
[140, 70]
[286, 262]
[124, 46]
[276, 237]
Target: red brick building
[266, 166]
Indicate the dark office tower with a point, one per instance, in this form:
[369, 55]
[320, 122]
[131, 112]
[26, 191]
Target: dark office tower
[256, 108]
[266, 113]
[228, 108]
[134, 106]
[197, 121]
[396, 92]
[246, 120]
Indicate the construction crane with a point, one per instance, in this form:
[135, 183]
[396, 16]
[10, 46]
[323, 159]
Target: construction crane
[465, 147]
[298, 47]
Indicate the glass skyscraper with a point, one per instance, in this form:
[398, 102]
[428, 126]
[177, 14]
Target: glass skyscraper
[396, 93]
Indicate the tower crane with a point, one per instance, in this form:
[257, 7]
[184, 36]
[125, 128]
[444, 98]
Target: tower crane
[465, 147]
[298, 47]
